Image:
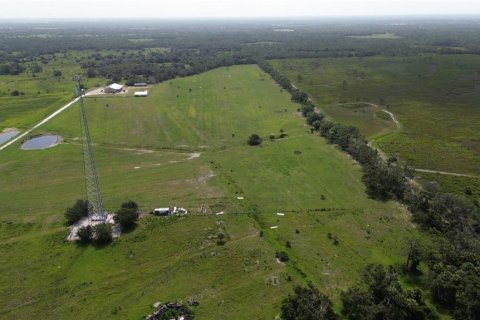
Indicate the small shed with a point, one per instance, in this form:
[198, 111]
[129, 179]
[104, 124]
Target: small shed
[141, 93]
[113, 88]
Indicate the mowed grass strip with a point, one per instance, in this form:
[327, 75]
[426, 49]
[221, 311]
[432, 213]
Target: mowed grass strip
[144, 150]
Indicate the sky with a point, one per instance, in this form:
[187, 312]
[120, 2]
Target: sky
[230, 8]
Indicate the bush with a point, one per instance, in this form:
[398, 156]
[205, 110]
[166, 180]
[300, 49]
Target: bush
[85, 234]
[254, 140]
[77, 212]
[282, 256]
[126, 217]
[312, 117]
[103, 233]
[130, 205]
[221, 239]
[381, 294]
[307, 304]
[57, 73]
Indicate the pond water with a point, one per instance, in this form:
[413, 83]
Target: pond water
[5, 136]
[41, 142]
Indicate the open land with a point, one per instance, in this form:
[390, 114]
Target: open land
[434, 97]
[185, 144]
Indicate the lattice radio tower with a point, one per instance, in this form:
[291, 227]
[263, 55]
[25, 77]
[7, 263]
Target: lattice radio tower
[95, 205]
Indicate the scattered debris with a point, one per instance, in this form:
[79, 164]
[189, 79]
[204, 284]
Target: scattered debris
[273, 281]
[203, 209]
[193, 302]
[280, 214]
[274, 227]
[219, 213]
[240, 198]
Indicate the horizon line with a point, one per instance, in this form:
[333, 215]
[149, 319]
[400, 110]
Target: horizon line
[393, 15]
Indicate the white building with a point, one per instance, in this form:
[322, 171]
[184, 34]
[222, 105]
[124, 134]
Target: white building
[113, 88]
[141, 93]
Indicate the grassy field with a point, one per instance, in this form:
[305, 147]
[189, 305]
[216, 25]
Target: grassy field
[434, 97]
[43, 92]
[185, 144]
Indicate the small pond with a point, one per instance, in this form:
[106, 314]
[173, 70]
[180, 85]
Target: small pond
[41, 142]
[5, 136]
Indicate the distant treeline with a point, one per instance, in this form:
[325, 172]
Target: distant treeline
[191, 47]
[152, 67]
[455, 263]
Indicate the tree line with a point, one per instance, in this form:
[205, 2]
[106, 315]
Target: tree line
[194, 47]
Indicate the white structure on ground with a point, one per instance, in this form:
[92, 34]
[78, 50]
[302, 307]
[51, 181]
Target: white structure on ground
[169, 211]
[113, 88]
[141, 93]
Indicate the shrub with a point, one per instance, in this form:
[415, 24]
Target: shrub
[282, 256]
[129, 205]
[85, 234]
[307, 303]
[103, 233]
[254, 140]
[126, 217]
[77, 212]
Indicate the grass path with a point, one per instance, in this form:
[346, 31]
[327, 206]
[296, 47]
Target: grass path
[447, 173]
[397, 123]
[391, 114]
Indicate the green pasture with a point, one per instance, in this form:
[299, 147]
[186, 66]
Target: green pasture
[43, 92]
[185, 144]
[434, 97]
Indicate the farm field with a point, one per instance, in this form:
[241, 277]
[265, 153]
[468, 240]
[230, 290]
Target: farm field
[43, 92]
[434, 97]
[185, 144]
